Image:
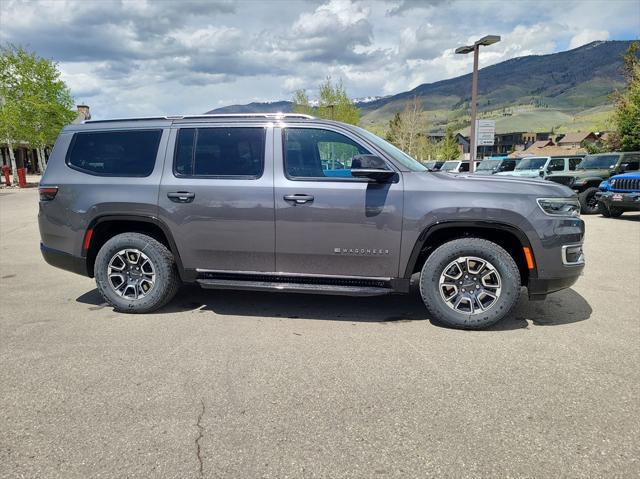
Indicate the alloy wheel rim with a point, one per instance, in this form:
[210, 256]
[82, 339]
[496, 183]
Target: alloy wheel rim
[470, 285]
[131, 274]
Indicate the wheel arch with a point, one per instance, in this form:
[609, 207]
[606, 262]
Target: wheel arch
[511, 238]
[103, 228]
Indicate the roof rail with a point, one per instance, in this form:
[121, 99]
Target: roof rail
[275, 116]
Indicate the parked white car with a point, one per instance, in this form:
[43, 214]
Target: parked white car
[456, 166]
[541, 166]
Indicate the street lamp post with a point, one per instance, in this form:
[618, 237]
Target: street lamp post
[475, 48]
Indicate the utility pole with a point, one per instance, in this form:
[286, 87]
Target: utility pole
[475, 48]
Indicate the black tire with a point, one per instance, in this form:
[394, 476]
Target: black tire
[615, 212]
[603, 210]
[611, 212]
[475, 247]
[166, 279]
[588, 202]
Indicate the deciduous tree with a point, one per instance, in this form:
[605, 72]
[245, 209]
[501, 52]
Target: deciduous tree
[333, 103]
[626, 117]
[34, 102]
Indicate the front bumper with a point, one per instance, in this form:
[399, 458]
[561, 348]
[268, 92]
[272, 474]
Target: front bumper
[538, 289]
[63, 260]
[558, 255]
[626, 201]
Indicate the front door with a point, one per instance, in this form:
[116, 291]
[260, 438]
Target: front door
[328, 222]
[216, 196]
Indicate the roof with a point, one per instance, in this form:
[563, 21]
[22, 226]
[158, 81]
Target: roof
[541, 144]
[167, 121]
[554, 150]
[273, 116]
[578, 137]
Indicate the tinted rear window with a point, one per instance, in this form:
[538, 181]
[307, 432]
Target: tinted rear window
[115, 153]
[228, 152]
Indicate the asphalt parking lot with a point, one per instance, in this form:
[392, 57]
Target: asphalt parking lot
[243, 385]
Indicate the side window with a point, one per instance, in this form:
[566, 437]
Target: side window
[228, 152]
[573, 162]
[556, 164]
[114, 153]
[464, 167]
[508, 165]
[316, 153]
[633, 162]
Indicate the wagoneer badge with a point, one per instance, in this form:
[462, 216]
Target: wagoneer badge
[361, 251]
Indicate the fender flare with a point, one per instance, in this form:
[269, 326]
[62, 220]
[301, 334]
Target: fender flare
[146, 219]
[440, 225]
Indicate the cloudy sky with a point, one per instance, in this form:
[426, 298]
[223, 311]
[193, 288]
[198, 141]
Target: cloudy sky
[127, 58]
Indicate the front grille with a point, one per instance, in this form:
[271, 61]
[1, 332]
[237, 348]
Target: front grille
[563, 180]
[626, 184]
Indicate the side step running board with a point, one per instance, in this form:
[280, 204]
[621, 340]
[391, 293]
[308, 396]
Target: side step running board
[294, 287]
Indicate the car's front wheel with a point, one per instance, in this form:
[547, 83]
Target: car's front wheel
[135, 273]
[470, 283]
[588, 201]
[609, 211]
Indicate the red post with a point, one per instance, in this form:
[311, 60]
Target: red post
[22, 177]
[6, 172]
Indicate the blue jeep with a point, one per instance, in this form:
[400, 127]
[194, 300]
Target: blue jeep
[618, 194]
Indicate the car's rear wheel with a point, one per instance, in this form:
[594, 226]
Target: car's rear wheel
[135, 273]
[588, 201]
[470, 283]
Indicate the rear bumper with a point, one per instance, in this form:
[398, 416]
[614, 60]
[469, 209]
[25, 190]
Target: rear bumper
[63, 260]
[626, 201]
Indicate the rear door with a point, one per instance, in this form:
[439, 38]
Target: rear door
[216, 196]
[328, 222]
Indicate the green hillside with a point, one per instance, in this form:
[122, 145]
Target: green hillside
[565, 91]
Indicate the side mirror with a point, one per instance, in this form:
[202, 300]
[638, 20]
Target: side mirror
[623, 167]
[370, 166]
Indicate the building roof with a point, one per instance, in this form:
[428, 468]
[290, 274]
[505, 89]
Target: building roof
[578, 137]
[552, 150]
[541, 144]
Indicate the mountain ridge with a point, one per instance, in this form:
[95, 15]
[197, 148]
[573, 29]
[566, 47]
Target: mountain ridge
[567, 82]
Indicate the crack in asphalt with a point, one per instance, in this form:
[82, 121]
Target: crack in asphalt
[200, 435]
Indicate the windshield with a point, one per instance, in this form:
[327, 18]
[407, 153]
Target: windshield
[450, 165]
[489, 164]
[531, 163]
[433, 164]
[598, 162]
[396, 153]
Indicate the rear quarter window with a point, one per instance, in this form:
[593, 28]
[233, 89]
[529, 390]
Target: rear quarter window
[220, 152]
[114, 153]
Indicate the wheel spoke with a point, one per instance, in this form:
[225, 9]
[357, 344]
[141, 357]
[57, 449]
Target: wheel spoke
[448, 271]
[475, 265]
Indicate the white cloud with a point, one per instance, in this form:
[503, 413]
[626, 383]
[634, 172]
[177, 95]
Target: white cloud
[588, 36]
[154, 57]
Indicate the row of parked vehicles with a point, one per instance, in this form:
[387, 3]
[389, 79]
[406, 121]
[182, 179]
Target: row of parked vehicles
[606, 183]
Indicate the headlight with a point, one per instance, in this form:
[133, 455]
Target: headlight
[612, 182]
[604, 185]
[560, 206]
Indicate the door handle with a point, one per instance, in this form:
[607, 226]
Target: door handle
[299, 199]
[181, 196]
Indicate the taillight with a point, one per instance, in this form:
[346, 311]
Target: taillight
[47, 193]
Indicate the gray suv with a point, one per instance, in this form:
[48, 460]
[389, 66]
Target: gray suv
[293, 203]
